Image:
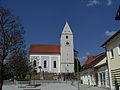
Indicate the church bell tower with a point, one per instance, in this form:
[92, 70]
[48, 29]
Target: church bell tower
[67, 50]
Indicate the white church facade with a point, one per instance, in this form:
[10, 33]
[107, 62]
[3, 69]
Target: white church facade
[54, 58]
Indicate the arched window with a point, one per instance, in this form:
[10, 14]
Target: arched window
[34, 63]
[54, 64]
[45, 64]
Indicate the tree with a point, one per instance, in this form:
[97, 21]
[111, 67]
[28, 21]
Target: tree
[11, 38]
[17, 62]
[77, 66]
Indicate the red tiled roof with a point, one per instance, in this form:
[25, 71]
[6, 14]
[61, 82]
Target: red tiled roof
[93, 60]
[44, 49]
[89, 60]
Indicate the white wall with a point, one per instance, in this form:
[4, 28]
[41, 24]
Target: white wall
[88, 78]
[67, 50]
[113, 63]
[50, 58]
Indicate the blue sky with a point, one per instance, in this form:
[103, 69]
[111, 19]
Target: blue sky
[92, 21]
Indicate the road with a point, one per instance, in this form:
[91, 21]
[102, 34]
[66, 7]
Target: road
[55, 86]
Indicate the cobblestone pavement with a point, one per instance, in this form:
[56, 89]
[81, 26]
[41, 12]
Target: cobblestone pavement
[55, 86]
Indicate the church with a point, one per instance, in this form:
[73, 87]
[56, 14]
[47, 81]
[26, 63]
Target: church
[54, 58]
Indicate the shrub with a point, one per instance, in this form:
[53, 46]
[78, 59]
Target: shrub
[22, 79]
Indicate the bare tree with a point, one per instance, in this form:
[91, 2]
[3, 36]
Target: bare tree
[11, 37]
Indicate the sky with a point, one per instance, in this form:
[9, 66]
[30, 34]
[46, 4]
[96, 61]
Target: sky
[92, 22]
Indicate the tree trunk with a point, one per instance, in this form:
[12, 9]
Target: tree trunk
[1, 78]
[1, 83]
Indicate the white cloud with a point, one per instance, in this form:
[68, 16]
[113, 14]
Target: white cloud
[87, 53]
[109, 33]
[109, 2]
[93, 2]
[84, 57]
[98, 2]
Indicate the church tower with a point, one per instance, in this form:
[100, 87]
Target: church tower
[67, 50]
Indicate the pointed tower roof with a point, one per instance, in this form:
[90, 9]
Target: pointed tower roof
[67, 29]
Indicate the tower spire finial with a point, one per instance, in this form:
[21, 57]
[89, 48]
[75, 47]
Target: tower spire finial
[66, 20]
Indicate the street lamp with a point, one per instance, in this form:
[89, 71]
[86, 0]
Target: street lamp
[78, 73]
[78, 76]
[40, 69]
[34, 72]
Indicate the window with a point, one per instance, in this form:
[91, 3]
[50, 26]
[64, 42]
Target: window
[34, 63]
[67, 70]
[119, 49]
[66, 37]
[111, 53]
[45, 64]
[54, 64]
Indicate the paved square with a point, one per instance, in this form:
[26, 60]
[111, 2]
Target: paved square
[54, 86]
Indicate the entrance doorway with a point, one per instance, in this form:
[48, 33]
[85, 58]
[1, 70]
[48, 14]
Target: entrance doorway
[102, 79]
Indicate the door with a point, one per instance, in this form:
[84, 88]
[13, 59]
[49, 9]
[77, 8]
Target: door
[102, 79]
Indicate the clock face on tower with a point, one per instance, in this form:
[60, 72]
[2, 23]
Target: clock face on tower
[67, 43]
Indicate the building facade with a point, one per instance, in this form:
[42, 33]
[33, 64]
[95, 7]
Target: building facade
[67, 50]
[95, 71]
[87, 72]
[45, 57]
[102, 78]
[112, 46]
[54, 58]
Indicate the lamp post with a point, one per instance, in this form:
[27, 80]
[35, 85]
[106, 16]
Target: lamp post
[43, 75]
[40, 70]
[34, 71]
[78, 73]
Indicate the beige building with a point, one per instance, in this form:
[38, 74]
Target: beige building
[86, 74]
[95, 71]
[101, 68]
[112, 46]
